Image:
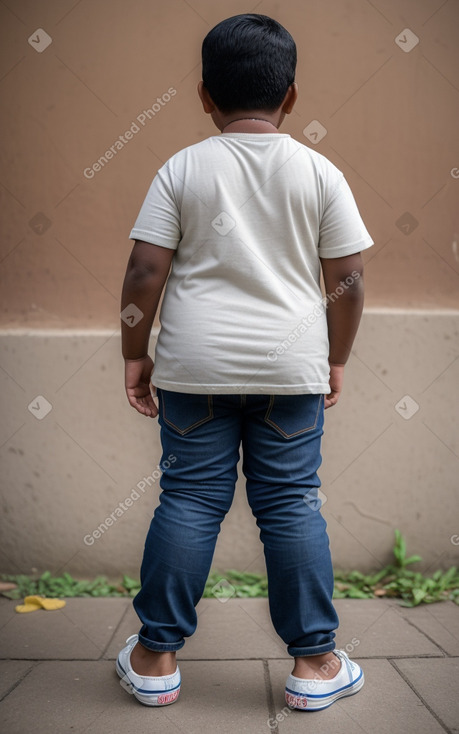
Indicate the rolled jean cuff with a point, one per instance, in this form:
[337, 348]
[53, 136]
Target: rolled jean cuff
[299, 652]
[160, 646]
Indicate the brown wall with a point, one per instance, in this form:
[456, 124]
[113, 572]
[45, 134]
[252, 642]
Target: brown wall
[71, 446]
[391, 120]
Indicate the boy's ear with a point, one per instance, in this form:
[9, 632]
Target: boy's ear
[290, 98]
[206, 99]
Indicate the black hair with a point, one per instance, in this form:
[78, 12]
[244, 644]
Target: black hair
[248, 63]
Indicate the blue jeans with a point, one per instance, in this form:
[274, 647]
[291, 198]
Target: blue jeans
[201, 436]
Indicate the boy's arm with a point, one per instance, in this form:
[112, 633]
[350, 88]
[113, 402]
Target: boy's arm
[146, 274]
[343, 279]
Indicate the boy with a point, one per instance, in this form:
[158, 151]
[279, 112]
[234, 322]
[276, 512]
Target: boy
[247, 354]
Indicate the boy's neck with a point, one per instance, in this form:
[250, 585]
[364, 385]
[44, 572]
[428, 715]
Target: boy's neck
[250, 125]
[249, 121]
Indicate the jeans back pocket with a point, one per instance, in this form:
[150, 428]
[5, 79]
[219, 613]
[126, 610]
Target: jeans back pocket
[292, 415]
[184, 411]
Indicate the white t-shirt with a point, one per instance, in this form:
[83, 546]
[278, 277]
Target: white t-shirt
[249, 215]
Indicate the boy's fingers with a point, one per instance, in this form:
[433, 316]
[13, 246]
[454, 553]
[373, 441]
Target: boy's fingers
[152, 408]
[330, 400]
[144, 405]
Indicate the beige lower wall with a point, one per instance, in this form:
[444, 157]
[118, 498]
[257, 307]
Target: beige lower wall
[64, 472]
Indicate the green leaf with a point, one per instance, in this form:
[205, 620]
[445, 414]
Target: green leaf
[399, 548]
[130, 583]
[412, 559]
[394, 581]
[419, 595]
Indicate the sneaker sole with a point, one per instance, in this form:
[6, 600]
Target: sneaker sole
[162, 698]
[305, 702]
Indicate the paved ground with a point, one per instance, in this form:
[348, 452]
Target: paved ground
[57, 673]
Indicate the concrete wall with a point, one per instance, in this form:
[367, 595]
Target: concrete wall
[390, 453]
[76, 77]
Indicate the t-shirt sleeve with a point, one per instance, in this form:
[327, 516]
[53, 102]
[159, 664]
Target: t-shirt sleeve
[342, 231]
[158, 221]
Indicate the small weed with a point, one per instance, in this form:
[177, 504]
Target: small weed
[398, 581]
[67, 586]
[395, 580]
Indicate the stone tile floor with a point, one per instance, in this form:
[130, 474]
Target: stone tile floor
[57, 672]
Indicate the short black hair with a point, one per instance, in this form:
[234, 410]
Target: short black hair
[248, 63]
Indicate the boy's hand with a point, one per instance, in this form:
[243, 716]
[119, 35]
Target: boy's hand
[137, 382]
[336, 385]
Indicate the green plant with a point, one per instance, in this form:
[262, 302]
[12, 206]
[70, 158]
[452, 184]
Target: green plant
[399, 551]
[395, 580]
[67, 586]
[237, 583]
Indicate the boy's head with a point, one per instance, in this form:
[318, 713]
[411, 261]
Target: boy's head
[248, 63]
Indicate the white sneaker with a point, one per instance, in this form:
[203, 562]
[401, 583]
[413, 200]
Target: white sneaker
[309, 694]
[152, 691]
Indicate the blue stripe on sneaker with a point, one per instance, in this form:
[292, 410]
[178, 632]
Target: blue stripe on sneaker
[118, 662]
[324, 695]
[148, 690]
